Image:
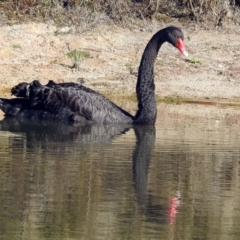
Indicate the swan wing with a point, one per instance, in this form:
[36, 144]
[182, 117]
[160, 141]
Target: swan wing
[92, 105]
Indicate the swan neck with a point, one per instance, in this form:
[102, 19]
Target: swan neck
[147, 110]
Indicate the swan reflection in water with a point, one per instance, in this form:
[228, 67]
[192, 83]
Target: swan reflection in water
[101, 135]
[142, 155]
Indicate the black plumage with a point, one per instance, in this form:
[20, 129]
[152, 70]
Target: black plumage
[75, 102]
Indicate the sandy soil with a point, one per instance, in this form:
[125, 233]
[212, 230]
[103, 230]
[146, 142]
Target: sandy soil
[39, 51]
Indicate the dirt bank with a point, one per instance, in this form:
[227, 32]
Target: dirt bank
[39, 51]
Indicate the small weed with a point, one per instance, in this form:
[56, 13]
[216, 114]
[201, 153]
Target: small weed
[16, 46]
[171, 99]
[130, 67]
[194, 60]
[55, 61]
[77, 56]
[189, 125]
[215, 48]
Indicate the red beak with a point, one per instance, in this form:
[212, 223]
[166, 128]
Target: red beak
[181, 47]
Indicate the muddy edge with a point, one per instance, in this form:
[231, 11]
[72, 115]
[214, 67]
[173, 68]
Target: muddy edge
[40, 51]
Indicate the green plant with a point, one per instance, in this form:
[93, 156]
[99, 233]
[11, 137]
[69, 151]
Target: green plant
[174, 99]
[130, 67]
[194, 60]
[55, 61]
[16, 46]
[77, 56]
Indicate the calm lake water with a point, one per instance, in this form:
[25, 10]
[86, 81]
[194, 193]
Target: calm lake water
[177, 180]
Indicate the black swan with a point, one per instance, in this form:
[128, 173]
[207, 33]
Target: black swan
[74, 102]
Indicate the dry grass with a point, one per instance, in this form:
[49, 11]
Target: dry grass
[65, 12]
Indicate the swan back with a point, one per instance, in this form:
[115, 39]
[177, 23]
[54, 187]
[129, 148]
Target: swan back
[75, 102]
[79, 102]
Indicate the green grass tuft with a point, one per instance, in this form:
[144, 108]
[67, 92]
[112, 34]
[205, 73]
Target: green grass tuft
[174, 99]
[194, 60]
[77, 57]
[16, 46]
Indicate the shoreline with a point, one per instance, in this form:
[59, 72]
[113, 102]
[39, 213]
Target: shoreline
[40, 51]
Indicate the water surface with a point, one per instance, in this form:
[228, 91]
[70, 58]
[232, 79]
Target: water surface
[177, 180]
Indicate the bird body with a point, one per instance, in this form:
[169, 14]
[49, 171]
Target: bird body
[77, 103]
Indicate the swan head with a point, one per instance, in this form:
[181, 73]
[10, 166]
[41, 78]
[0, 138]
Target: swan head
[176, 38]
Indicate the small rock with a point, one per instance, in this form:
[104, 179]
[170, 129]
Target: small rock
[5, 53]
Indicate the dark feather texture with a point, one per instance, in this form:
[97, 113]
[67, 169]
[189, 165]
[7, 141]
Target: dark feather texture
[74, 102]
